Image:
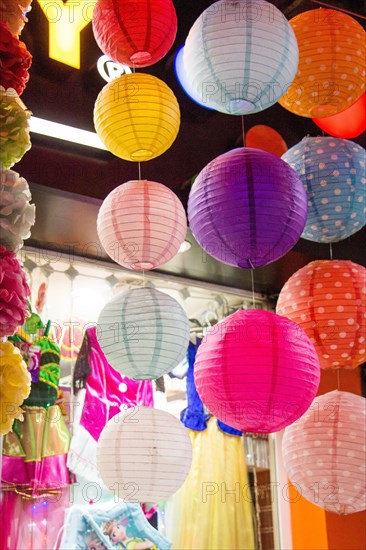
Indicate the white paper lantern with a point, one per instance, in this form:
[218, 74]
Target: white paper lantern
[240, 56]
[144, 455]
[144, 333]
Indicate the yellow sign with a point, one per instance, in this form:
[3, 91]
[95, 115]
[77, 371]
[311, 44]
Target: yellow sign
[66, 21]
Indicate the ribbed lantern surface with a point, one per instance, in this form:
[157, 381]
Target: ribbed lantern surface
[257, 371]
[327, 298]
[144, 333]
[324, 452]
[247, 208]
[141, 224]
[144, 454]
[333, 172]
[241, 56]
[137, 117]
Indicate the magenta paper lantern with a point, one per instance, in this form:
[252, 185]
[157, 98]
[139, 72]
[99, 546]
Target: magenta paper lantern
[324, 452]
[247, 208]
[256, 371]
[141, 224]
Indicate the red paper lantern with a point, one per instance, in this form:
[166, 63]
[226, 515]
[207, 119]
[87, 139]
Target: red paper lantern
[266, 138]
[137, 33]
[347, 124]
[257, 371]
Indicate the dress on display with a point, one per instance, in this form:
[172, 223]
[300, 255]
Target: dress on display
[213, 508]
[107, 392]
[35, 478]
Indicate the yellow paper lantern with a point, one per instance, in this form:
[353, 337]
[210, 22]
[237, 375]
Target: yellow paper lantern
[137, 117]
[331, 72]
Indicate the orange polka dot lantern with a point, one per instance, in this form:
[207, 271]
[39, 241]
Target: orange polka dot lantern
[331, 71]
[327, 298]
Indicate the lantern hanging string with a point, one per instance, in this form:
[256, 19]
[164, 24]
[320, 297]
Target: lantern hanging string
[325, 5]
[252, 278]
[257, 507]
[243, 129]
[330, 251]
[139, 165]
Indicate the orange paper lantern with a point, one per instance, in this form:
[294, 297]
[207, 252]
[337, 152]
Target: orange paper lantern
[327, 298]
[266, 138]
[347, 124]
[331, 72]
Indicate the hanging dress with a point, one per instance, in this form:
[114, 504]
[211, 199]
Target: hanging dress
[213, 508]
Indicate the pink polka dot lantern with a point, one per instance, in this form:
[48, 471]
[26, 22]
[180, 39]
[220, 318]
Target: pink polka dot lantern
[257, 371]
[324, 452]
[327, 298]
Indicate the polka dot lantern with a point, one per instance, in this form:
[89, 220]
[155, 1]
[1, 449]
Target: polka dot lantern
[144, 454]
[327, 298]
[324, 452]
[137, 117]
[247, 208]
[331, 73]
[257, 371]
[240, 56]
[334, 175]
[144, 333]
[141, 224]
[135, 33]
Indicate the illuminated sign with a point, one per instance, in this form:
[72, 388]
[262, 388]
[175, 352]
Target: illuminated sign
[109, 70]
[66, 20]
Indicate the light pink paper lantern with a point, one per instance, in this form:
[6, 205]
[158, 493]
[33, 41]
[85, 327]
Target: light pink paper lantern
[324, 452]
[141, 224]
[257, 371]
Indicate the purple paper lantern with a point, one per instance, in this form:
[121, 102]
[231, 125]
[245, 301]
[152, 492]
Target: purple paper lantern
[247, 208]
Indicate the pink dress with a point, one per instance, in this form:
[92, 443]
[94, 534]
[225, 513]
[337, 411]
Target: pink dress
[107, 393]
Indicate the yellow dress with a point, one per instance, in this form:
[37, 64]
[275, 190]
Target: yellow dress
[213, 508]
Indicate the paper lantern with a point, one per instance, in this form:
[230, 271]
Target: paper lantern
[137, 117]
[241, 56]
[137, 34]
[144, 333]
[324, 452]
[334, 175]
[327, 298]
[247, 208]
[144, 455]
[350, 123]
[257, 371]
[331, 74]
[141, 224]
[266, 138]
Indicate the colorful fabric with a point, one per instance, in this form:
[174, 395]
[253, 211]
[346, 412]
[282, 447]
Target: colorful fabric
[194, 417]
[213, 508]
[34, 454]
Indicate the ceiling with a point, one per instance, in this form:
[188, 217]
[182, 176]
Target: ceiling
[62, 175]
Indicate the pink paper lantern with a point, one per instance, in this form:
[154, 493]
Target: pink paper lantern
[324, 452]
[141, 224]
[256, 371]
